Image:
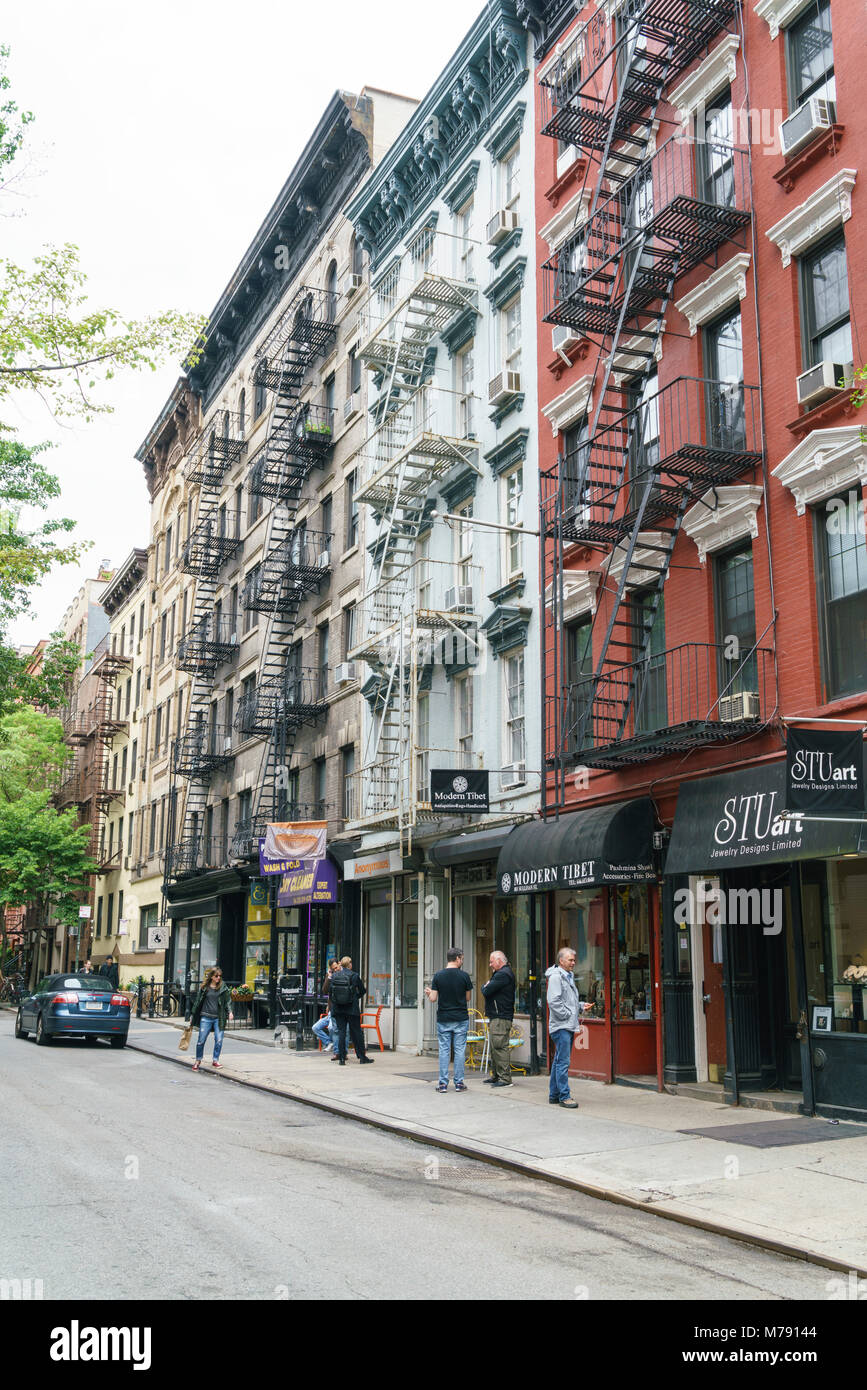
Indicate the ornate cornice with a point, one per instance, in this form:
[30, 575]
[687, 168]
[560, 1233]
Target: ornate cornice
[512, 450]
[507, 284]
[779, 13]
[507, 627]
[828, 207]
[459, 488]
[507, 131]
[463, 186]
[717, 71]
[823, 464]
[715, 293]
[459, 332]
[571, 405]
[722, 516]
[467, 101]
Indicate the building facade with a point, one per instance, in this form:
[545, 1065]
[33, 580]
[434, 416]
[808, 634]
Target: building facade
[252, 714]
[448, 631]
[700, 281]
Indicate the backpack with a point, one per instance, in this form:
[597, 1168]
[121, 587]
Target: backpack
[342, 991]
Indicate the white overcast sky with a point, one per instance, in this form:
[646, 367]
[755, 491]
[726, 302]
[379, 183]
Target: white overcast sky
[163, 132]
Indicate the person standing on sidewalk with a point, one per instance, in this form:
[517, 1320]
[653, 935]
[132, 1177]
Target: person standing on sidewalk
[450, 990]
[564, 1020]
[325, 1029]
[211, 1012]
[499, 995]
[345, 990]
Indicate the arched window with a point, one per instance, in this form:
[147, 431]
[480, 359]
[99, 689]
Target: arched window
[331, 292]
[242, 413]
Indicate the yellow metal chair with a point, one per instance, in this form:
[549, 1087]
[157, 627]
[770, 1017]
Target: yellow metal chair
[477, 1041]
[516, 1039]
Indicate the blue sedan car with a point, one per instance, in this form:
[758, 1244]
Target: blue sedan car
[74, 1005]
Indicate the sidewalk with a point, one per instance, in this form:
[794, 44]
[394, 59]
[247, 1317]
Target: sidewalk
[787, 1182]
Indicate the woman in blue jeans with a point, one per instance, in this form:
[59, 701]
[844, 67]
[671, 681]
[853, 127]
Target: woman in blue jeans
[211, 1011]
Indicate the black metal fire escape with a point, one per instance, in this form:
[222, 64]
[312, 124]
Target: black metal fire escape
[204, 745]
[625, 490]
[297, 561]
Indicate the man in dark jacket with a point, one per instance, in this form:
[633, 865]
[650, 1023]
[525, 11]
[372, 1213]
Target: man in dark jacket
[110, 971]
[499, 995]
[345, 992]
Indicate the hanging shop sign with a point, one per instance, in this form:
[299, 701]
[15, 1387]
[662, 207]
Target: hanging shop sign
[315, 884]
[459, 791]
[825, 772]
[286, 845]
[158, 938]
[257, 893]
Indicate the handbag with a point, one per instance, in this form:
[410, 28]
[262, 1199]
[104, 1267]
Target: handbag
[185, 1038]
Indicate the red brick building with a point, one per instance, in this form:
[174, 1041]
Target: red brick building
[700, 285]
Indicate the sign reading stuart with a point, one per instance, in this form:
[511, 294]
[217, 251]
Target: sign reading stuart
[458, 791]
[824, 772]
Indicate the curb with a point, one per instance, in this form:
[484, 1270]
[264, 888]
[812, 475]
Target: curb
[529, 1170]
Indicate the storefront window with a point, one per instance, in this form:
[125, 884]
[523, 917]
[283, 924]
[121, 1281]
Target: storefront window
[209, 935]
[182, 938]
[834, 906]
[630, 951]
[407, 956]
[288, 934]
[512, 935]
[378, 943]
[579, 922]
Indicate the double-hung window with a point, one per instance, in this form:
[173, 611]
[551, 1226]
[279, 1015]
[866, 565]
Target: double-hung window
[841, 568]
[510, 179]
[513, 498]
[826, 329]
[724, 369]
[511, 319]
[464, 372]
[715, 154]
[810, 56]
[464, 713]
[466, 269]
[515, 751]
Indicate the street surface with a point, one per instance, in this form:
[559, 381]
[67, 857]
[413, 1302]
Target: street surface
[127, 1177]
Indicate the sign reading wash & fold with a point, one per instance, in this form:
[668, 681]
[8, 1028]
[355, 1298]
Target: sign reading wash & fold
[459, 791]
[824, 772]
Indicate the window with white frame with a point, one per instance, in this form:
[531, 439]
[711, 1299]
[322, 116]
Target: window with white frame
[509, 179]
[463, 533]
[515, 750]
[464, 373]
[423, 573]
[511, 320]
[513, 499]
[464, 716]
[422, 749]
[464, 221]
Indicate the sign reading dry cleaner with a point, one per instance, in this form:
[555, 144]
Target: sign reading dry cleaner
[824, 772]
[458, 791]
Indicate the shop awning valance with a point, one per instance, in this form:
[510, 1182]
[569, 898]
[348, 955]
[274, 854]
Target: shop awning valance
[471, 848]
[194, 907]
[734, 820]
[582, 849]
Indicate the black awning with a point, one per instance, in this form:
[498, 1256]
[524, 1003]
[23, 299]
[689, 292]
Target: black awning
[604, 844]
[194, 907]
[471, 847]
[734, 820]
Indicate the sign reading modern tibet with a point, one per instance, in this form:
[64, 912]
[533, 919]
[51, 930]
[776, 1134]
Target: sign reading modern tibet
[311, 883]
[289, 845]
[824, 772]
[459, 791]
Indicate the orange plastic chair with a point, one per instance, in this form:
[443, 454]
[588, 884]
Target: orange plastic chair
[373, 1026]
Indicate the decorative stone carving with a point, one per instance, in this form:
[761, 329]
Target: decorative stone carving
[822, 464]
[706, 81]
[569, 219]
[724, 515]
[573, 404]
[715, 293]
[779, 13]
[829, 206]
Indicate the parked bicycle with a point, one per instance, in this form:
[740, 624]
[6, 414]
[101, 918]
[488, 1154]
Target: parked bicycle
[12, 988]
[166, 999]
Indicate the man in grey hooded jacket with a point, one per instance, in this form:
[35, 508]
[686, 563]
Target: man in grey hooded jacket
[564, 1020]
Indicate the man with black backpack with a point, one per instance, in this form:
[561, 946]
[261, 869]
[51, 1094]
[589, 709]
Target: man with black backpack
[345, 991]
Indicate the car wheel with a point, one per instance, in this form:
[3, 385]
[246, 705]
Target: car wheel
[42, 1038]
[118, 1042]
[20, 1032]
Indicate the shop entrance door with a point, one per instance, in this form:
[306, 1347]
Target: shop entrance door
[631, 976]
[708, 978]
[484, 946]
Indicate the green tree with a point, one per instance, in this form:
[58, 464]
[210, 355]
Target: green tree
[32, 752]
[45, 862]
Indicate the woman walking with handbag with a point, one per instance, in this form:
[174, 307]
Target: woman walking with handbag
[211, 1012]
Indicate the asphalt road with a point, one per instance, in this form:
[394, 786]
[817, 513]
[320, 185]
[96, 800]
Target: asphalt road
[126, 1177]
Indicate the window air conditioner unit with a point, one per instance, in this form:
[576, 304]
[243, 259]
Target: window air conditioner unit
[819, 382]
[351, 407]
[233, 639]
[503, 385]
[514, 775]
[814, 116]
[345, 673]
[459, 599]
[135, 716]
[500, 225]
[734, 708]
[563, 337]
[130, 789]
[352, 284]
